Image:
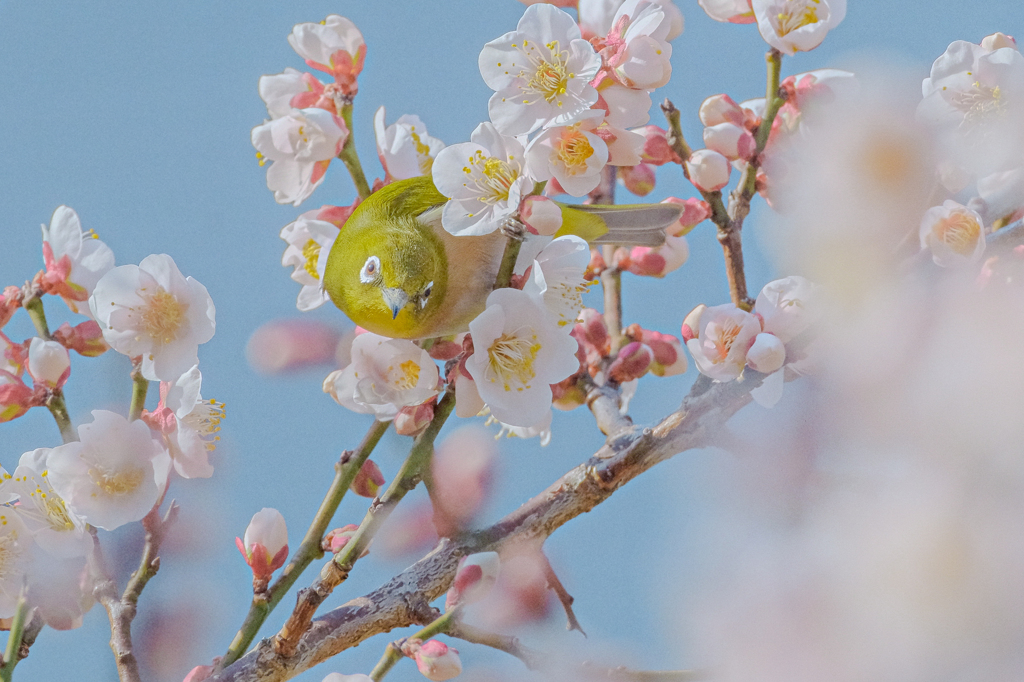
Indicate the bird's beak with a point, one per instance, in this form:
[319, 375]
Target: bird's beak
[396, 299]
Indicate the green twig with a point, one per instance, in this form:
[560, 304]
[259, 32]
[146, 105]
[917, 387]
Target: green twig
[336, 571]
[140, 387]
[345, 471]
[349, 156]
[393, 653]
[57, 407]
[14, 638]
[33, 305]
[508, 262]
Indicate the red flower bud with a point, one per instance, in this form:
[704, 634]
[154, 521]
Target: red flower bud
[368, 481]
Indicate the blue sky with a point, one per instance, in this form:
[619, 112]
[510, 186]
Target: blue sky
[137, 115]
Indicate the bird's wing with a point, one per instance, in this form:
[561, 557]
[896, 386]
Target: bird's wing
[634, 225]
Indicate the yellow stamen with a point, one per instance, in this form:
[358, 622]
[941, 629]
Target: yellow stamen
[117, 483]
[574, 150]
[800, 17]
[162, 316]
[511, 359]
[959, 231]
[311, 252]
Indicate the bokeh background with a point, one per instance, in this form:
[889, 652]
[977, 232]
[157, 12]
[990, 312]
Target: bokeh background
[137, 115]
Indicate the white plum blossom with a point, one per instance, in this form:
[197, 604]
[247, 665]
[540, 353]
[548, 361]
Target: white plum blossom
[293, 89]
[731, 11]
[300, 146]
[788, 306]
[792, 26]
[519, 352]
[624, 107]
[1002, 192]
[384, 376]
[51, 522]
[187, 423]
[334, 46]
[640, 52]
[541, 430]
[954, 233]
[540, 72]
[571, 154]
[708, 170]
[404, 147]
[114, 475]
[309, 243]
[597, 17]
[152, 310]
[557, 279]
[723, 334]
[75, 260]
[15, 559]
[48, 362]
[485, 180]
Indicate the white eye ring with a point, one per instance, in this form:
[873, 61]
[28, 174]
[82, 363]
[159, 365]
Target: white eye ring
[426, 294]
[370, 271]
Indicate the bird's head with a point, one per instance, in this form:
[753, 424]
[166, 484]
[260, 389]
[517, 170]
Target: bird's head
[389, 275]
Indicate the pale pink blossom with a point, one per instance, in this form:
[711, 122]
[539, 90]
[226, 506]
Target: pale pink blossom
[997, 41]
[75, 260]
[384, 376]
[557, 278]
[436, 660]
[1002, 192]
[571, 154]
[730, 140]
[731, 11]
[540, 72]
[48, 363]
[541, 214]
[954, 233]
[484, 178]
[338, 677]
[792, 26]
[187, 424]
[624, 107]
[282, 92]
[152, 310]
[15, 559]
[519, 352]
[265, 545]
[300, 146]
[721, 109]
[637, 49]
[709, 170]
[463, 469]
[113, 475]
[334, 46]
[724, 333]
[404, 147]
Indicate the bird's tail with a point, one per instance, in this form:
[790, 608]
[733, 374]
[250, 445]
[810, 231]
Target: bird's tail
[632, 224]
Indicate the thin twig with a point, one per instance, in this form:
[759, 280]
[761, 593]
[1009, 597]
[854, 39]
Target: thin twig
[533, 660]
[21, 611]
[393, 652]
[563, 595]
[345, 471]
[349, 156]
[140, 387]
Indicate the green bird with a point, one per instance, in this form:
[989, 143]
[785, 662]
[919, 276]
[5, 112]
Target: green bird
[395, 271]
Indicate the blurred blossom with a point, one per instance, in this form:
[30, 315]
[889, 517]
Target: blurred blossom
[281, 346]
[463, 470]
[404, 147]
[437, 661]
[521, 593]
[732, 11]
[954, 233]
[338, 677]
[474, 579]
[408, 531]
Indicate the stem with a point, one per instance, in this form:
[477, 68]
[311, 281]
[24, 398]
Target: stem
[336, 571]
[57, 407]
[508, 262]
[140, 386]
[611, 286]
[393, 653]
[14, 638]
[510, 645]
[345, 471]
[34, 307]
[719, 215]
[349, 156]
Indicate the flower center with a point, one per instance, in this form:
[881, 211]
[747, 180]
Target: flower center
[48, 505]
[422, 152]
[405, 376]
[722, 339]
[802, 15]
[573, 150]
[491, 177]
[959, 232]
[311, 252]
[116, 483]
[547, 76]
[162, 316]
[979, 103]
[511, 359]
[205, 419]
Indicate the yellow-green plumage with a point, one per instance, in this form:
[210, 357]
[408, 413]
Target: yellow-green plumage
[395, 271]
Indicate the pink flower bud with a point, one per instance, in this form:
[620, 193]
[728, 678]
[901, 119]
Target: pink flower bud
[595, 331]
[474, 579]
[438, 661]
[568, 395]
[266, 542]
[48, 363]
[368, 481]
[691, 323]
[709, 170]
[720, 109]
[596, 265]
[660, 260]
[463, 468]
[445, 350]
[730, 140]
[541, 214]
[767, 354]
[669, 358]
[657, 150]
[411, 420]
[10, 301]
[200, 673]
[632, 362]
[336, 539]
[86, 338]
[289, 345]
[637, 179]
[998, 40]
[695, 211]
[620, 258]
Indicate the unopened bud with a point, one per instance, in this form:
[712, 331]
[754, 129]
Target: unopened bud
[657, 150]
[48, 363]
[691, 323]
[730, 140]
[265, 546]
[720, 109]
[637, 179]
[368, 481]
[85, 339]
[632, 362]
[411, 420]
[669, 358]
[336, 539]
[709, 171]
[10, 300]
[660, 260]
[997, 41]
[445, 350]
[595, 331]
[438, 661]
[568, 394]
[474, 579]
[767, 354]
[541, 214]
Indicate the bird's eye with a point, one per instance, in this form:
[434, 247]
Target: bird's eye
[370, 270]
[426, 294]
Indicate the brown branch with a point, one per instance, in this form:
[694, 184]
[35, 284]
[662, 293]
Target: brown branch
[394, 604]
[533, 660]
[563, 595]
